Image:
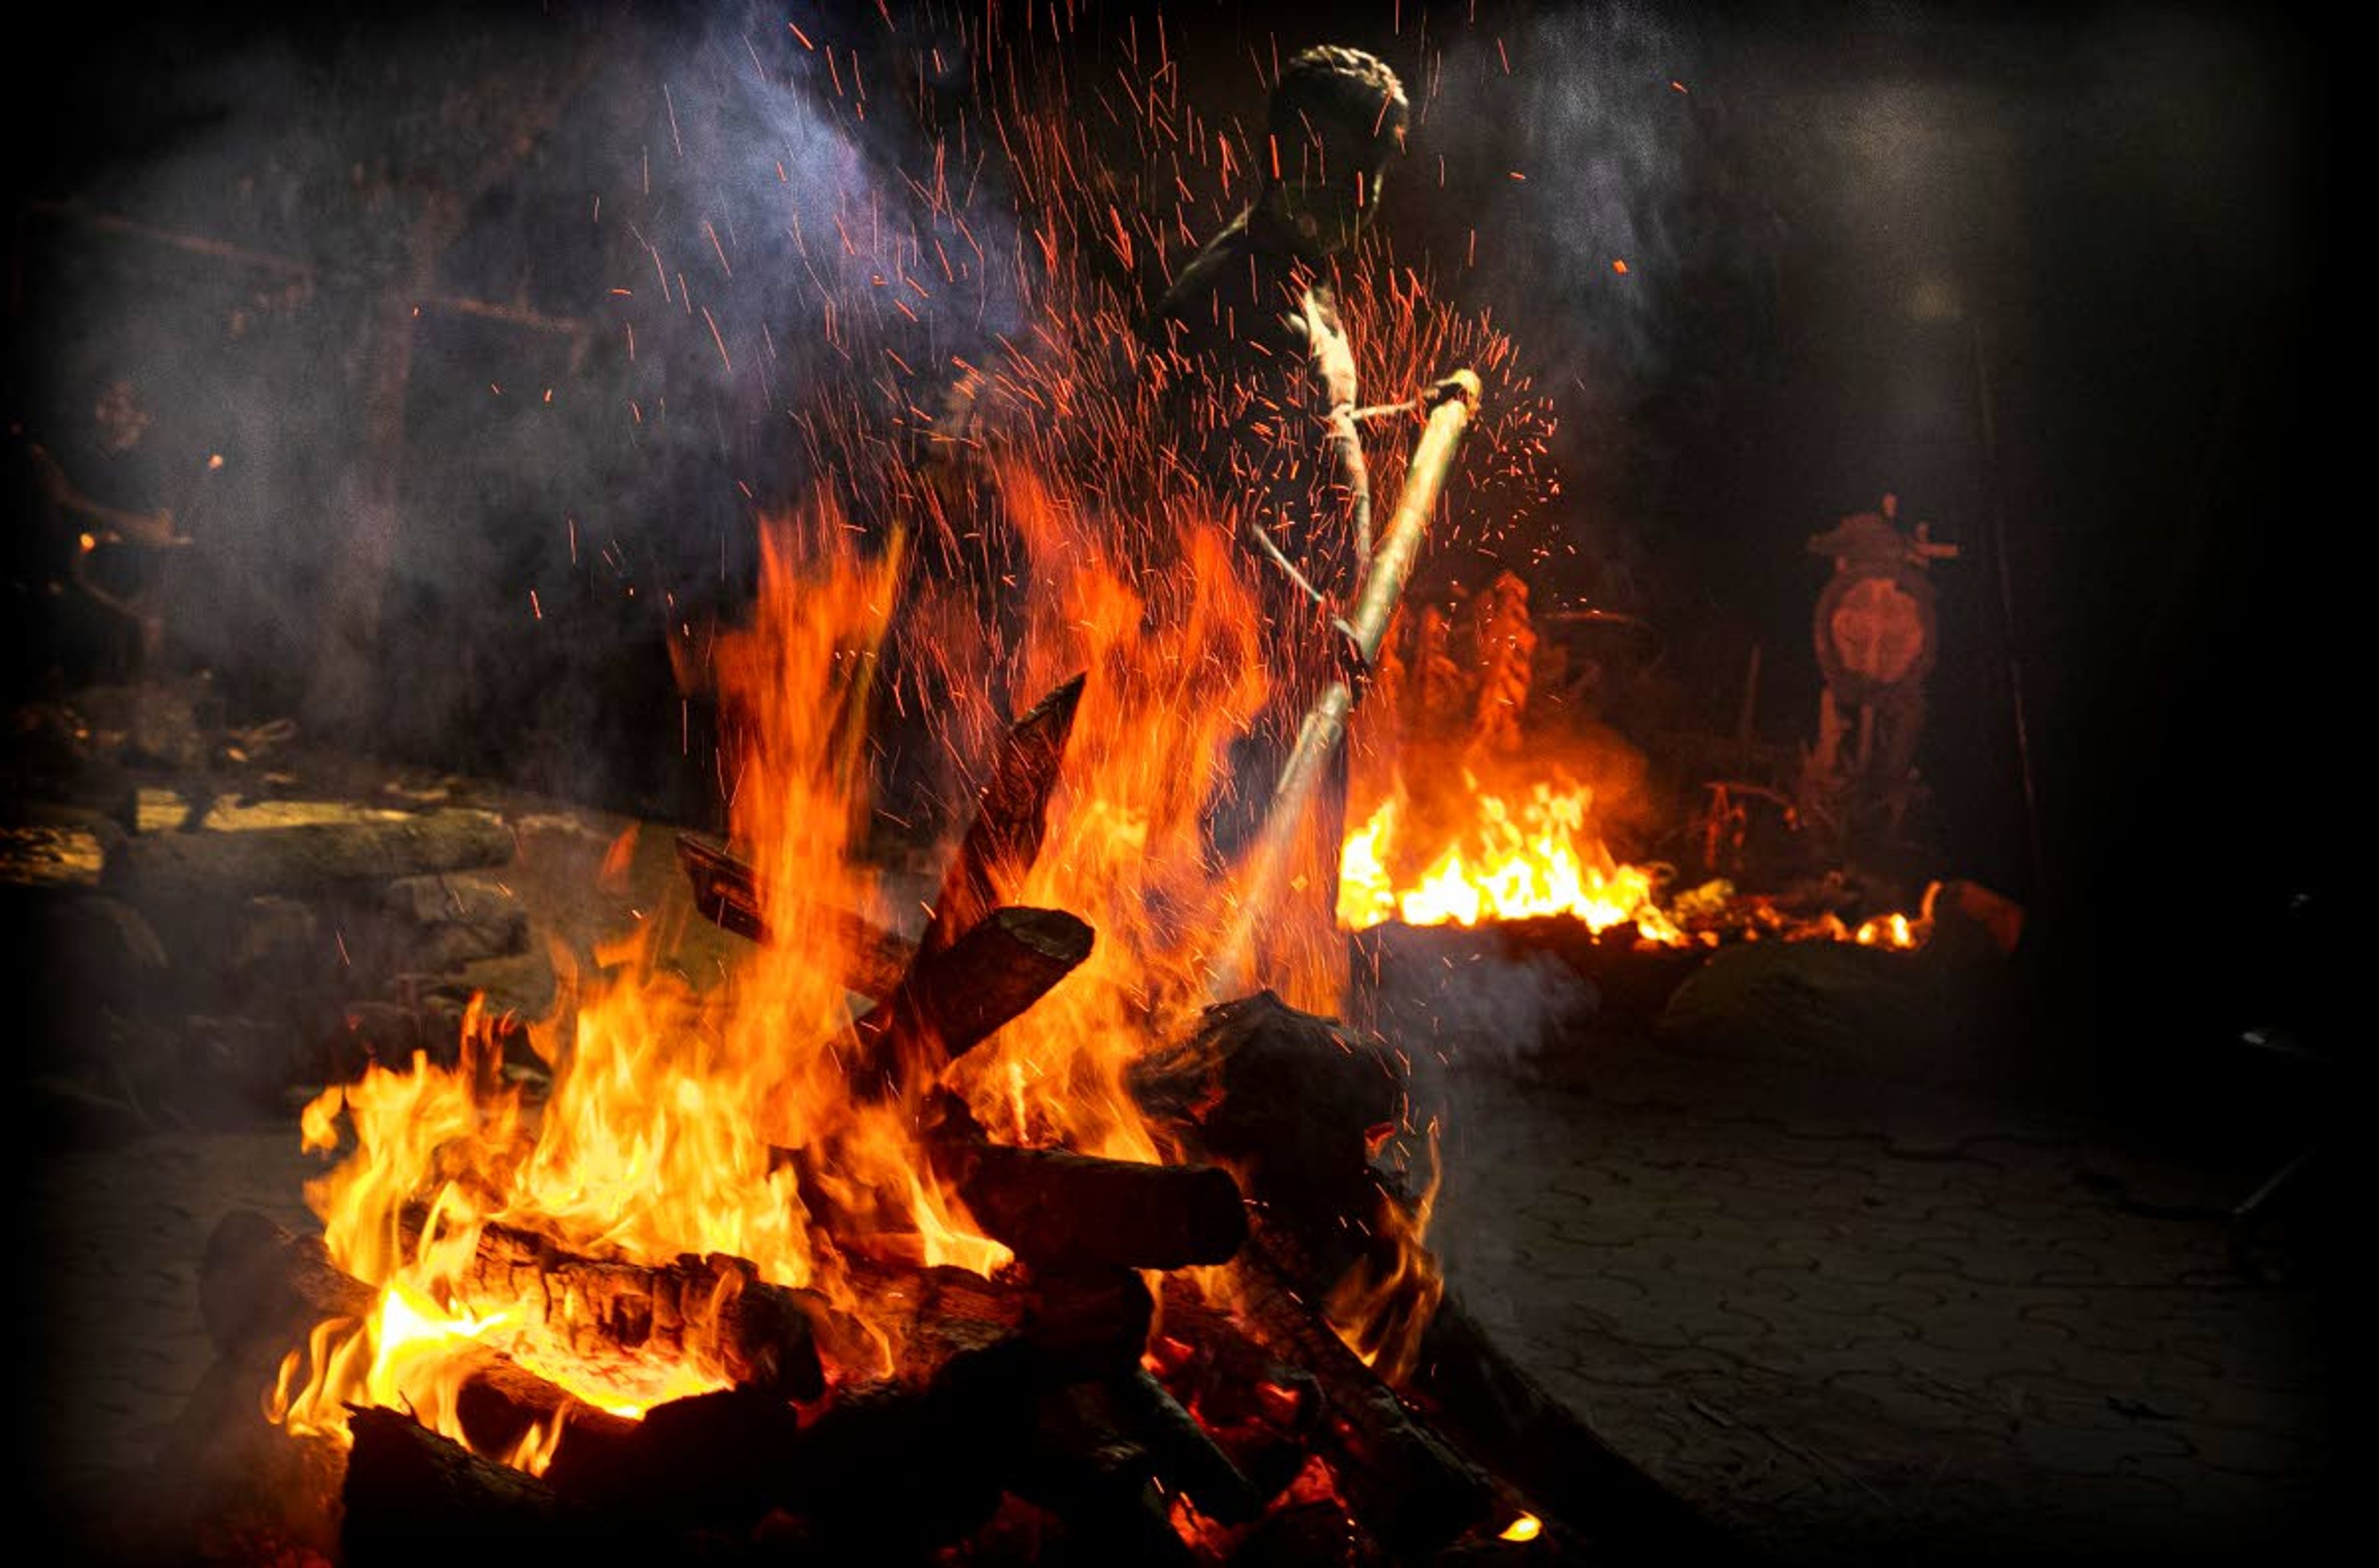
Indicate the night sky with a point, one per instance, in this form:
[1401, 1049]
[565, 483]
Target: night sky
[2063, 278]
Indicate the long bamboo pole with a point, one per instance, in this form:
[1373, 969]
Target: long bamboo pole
[1455, 400]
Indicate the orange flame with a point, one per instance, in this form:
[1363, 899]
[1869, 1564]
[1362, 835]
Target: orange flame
[1381, 1307]
[1539, 858]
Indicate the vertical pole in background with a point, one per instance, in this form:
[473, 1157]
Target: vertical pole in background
[1995, 521]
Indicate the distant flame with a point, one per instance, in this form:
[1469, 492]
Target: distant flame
[1542, 857]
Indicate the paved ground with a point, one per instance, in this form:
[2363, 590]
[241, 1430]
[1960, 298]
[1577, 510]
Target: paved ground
[1854, 1312]
[1856, 1316]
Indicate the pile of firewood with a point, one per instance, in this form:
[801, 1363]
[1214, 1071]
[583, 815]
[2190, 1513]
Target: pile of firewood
[1066, 1410]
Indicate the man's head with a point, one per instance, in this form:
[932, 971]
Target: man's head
[1337, 121]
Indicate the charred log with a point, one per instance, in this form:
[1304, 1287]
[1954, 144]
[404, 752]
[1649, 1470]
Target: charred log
[1055, 1206]
[1287, 1097]
[714, 1310]
[1406, 1483]
[261, 1287]
[1084, 1463]
[889, 1469]
[952, 1001]
[1061, 1324]
[1011, 814]
[1257, 1409]
[869, 959]
[1181, 1453]
[229, 866]
[411, 1496]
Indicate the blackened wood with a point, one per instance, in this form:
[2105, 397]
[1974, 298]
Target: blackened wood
[1290, 1099]
[229, 865]
[1405, 1483]
[885, 1469]
[411, 1496]
[1085, 1465]
[1011, 816]
[1061, 1324]
[868, 958]
[716, 1310]
[952, 1001]
[1181, 1455]
[1054, 1205]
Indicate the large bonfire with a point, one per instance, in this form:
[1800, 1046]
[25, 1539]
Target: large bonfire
[687, 1122]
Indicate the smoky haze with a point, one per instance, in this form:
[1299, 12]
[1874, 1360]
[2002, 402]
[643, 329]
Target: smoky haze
[624, 236]
[1834, 220]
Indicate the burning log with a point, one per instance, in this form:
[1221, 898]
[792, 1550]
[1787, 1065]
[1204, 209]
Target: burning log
[261, 1287]
[887, 1470]
[229, 866]
[1085, 1465]
[1409, 1486]
[870, 960]
[1180, 1453]
[1053, 1206]
[1255, 1408]
[1063, 1323]
[1286, 1097]
[715, 1310]
[1011, 816]
[953, 1000]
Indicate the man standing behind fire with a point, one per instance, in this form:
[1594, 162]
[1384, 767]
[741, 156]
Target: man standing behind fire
[1266, 415]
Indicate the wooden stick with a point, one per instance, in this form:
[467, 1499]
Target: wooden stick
[1407, 1485]
[411, 1496]
[1453, 401]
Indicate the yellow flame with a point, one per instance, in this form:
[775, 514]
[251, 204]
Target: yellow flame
[1542, 857]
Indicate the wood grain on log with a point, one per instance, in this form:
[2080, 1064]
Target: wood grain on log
[715, 1312]
[1085, 1322]
[260, 1286]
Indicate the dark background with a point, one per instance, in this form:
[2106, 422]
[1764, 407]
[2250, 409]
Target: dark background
[2064, 280]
